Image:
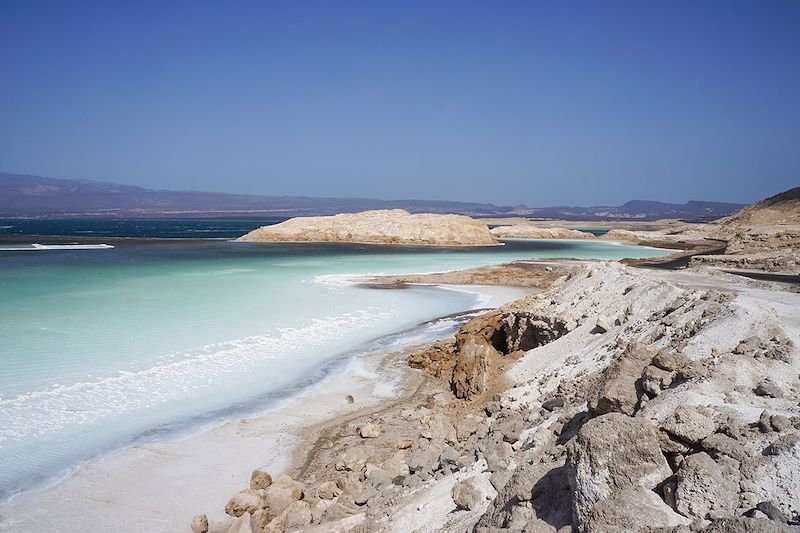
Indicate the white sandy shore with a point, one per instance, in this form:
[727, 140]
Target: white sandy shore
[158, 487]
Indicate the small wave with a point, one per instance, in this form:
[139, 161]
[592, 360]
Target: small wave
[43, 411]
[40, 247]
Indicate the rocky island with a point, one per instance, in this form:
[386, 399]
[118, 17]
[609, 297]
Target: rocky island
[385, 226]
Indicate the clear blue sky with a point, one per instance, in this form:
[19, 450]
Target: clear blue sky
[510, 102]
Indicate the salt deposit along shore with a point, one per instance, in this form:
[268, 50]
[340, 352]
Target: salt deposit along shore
[159, 486]
[620, 399]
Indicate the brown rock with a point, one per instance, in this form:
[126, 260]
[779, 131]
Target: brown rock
[612, 452]
[246, 501]
[618, 390]
[260, 479]
[298, 515]
[282, 493]
[705, 488]
[469, 493]
[689, 424]
[471, 370]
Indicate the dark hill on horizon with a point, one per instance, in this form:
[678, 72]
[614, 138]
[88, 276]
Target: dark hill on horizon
[35, 196]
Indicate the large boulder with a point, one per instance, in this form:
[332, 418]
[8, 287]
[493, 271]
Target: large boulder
[246, 501]
[282, 493]
[298, 515]
[706, 489]
[689, 424]
[469, 493]
[619, 388]
[260, 479]
[243, 524]
[612, 452]
[632, 509]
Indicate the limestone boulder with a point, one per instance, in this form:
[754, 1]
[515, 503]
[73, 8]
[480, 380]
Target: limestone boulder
[246, 501]
[282, 493]
[260, 479]
[632, 509]
[706, 489]
[328, 490]
[200, 524]
[612, 452]
[689, 424]
[369, 431]
[619, 387]
[469, 493]
[243, 524]
[298, 515]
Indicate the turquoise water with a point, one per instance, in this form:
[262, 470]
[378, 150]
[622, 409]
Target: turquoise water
[102, 347]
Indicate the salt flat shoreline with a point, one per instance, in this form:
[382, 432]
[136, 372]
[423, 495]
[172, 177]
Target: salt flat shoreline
[159, 486]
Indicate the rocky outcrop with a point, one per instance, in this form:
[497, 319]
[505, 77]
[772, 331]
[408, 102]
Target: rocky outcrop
[621, 235]
[613, 452]
[467, 363]
[524, 231]
[393, 226]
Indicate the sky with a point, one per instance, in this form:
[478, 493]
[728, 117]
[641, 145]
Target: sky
[536, 103]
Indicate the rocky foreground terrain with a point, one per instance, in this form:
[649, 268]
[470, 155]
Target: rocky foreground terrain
[388, 226]
[618, 399]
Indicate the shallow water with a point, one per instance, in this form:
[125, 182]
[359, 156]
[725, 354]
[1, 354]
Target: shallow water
[101, 347]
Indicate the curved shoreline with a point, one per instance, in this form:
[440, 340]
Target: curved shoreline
[167, 481]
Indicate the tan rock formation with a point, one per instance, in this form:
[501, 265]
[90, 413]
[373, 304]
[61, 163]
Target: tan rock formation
[621, 235]
[524, 231]
[391, 226]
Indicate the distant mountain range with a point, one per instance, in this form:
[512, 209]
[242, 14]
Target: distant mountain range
[36, 196]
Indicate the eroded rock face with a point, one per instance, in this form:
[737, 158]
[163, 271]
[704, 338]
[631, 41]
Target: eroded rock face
[525, 331]
[471, 371]
[612, 452]
[388, 226]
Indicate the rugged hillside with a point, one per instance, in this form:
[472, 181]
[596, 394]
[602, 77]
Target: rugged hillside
[694, 211]
[771, 224]
[394, 226]
[762, 236]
